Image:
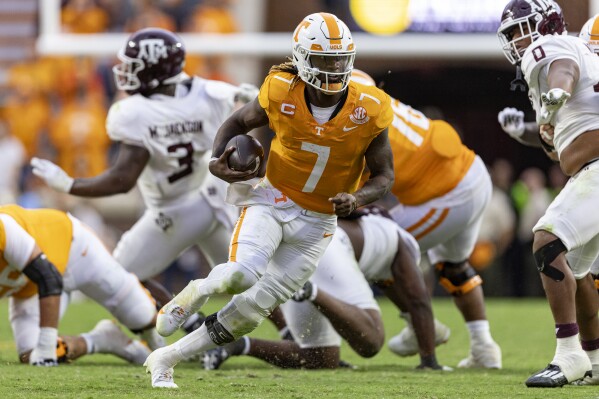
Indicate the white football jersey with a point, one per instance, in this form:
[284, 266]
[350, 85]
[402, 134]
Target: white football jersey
[581, 112]
[177, 131]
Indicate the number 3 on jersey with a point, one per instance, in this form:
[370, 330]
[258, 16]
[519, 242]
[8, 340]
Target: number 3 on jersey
[322, 156]
[185, 161]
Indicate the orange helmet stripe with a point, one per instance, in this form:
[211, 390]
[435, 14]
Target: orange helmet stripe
[332, 27]
[303, 24]
[595, 29]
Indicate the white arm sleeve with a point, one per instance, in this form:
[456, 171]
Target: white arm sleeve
[19, 244]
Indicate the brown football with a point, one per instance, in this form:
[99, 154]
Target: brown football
[248, 154]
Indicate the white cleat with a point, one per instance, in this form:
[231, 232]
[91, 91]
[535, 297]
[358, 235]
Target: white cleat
[162, 373]
[486, 356]
[108, 337]
[406, 344]
[172, 315]
[170, 318]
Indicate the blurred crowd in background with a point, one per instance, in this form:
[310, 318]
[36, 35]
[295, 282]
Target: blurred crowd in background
[55, 108]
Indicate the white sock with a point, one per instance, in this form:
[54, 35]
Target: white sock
[89, 342]
[594, 358]
[246, 350]
[194, 343]
[566, 346]
[480, 332]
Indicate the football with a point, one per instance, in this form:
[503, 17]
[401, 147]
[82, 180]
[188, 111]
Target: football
[248, 154]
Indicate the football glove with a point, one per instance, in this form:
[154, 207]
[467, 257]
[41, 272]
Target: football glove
[44, 354]
[307, 293]
[52, 174]
[512, 121]
[552, 101]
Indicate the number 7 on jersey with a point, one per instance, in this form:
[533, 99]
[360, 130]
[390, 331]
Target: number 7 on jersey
[322, 156]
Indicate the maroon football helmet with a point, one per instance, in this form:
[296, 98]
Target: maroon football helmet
[534, 18]
[151, 57]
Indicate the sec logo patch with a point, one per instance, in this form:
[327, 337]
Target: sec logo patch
[359, 116]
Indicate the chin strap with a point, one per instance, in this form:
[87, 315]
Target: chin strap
[519, 82]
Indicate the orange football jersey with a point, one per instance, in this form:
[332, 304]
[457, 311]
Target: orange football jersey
[52, 231]
[429, 158]
[311, 162]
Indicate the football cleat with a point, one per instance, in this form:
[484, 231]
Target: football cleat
[587, 380]
[406, 344]
[214, 358]
[172, 315]
[486, 356]
[107, 337]
[550, 377]
[162, 373]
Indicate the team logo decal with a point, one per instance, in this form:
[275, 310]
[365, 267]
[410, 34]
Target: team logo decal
[152, 50]
[164, 222]
[359, 116]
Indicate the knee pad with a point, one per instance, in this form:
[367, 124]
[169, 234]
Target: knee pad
[547, 254]
[457, 278]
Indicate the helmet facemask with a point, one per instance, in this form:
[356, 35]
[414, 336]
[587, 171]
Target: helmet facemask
[528, 29]
[125, 73]
[328, 72]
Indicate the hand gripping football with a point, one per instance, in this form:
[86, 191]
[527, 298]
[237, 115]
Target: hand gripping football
[248, 154]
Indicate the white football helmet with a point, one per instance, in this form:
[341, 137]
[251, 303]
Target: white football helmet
[323, 52]
[590, 33]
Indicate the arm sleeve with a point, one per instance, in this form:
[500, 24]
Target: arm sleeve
[19, 244]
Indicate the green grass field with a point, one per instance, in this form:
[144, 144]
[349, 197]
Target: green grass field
[523, 328]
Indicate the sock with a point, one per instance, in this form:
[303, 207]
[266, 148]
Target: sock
[247, 341]
[594, 358]
[239, 347]
[89, 342]
[566, 330]
[566, 346]
[194, 343]
[592, 350]
[480, 332]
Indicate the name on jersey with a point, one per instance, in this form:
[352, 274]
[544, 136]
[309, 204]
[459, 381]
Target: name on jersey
[175, 129]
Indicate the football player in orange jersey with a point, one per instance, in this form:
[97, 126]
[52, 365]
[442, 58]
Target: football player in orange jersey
[326, 130]
[46, 254]
[443, 188]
